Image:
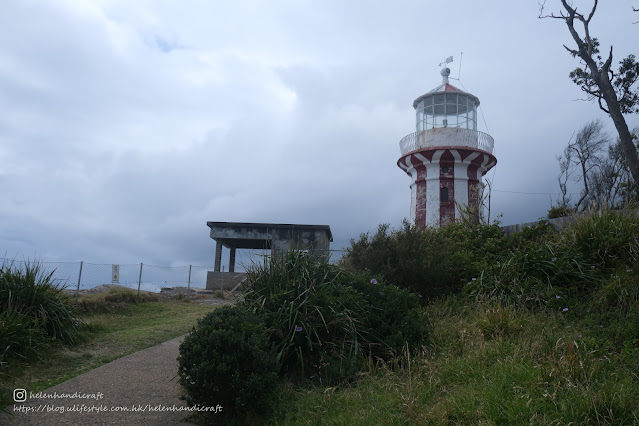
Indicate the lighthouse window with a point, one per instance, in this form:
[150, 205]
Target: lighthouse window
[444, 170]
[461, 103]
[444, 194]
[446, 110]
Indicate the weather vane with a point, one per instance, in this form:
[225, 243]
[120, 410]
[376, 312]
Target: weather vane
[446, 61]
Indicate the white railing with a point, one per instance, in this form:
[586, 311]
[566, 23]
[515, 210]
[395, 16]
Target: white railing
[447, 136]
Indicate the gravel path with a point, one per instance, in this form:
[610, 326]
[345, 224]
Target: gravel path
[145, 380]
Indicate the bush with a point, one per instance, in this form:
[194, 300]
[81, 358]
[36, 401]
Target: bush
[309, 316]
[607, 238]
[228, 360]
[560, 211]
[534, 274]
[324, 321]
[428, 261]
[33, 310]
[21, 336]
[393, 317]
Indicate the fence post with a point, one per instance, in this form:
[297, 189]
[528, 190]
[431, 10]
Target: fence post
[140, 279]
[189, 285]
[77, 291]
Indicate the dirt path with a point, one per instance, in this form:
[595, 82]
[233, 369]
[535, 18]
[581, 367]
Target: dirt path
[145, 381]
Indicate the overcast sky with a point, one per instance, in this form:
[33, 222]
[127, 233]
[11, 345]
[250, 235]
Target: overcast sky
[126, 125]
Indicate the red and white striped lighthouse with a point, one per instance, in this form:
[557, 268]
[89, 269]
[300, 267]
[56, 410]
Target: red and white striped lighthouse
[446, 157]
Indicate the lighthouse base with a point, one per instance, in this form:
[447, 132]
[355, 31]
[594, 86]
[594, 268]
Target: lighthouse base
[445, 181]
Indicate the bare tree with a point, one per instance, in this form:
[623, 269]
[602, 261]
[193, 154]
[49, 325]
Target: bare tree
[485, 200]
[564, 176]
[605, 181]
[582, 158]
[612, 185]
[599, 167]
[616, 93]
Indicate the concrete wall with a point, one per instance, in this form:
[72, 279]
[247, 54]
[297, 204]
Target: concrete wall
[223, 280]
[557, 223]
[316, 241]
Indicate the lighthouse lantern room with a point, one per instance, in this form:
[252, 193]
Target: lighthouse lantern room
[446, 157]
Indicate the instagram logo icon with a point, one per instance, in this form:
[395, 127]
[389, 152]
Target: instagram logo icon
[19, 395]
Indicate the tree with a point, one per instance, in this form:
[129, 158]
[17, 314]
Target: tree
[605, 179]
[583, 153]
[615, 92]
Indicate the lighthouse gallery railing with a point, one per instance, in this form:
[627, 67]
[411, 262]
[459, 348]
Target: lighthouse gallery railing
[447, 136]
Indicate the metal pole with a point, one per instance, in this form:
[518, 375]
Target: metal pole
[77, 291]
[140, 279]
[189, 277]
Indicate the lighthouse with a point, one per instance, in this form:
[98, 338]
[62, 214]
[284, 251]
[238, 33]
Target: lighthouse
[446, 157]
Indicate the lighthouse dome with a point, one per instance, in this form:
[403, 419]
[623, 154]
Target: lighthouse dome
[446, 106]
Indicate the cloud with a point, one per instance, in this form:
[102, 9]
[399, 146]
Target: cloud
[127, 126]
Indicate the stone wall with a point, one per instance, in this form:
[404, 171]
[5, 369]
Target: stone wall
[223, 280]
[557, 223]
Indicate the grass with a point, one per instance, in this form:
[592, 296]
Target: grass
[116, 325]
[525, 368]
[541, 328]
[34, 312]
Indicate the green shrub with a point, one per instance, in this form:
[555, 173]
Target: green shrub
[21, 336]
[228, 360]
[560, 211]
[608, 238]
[392, 316]
[309, 316]
[541, 231]
[324, 321]
[428, 261]
[540, 274]
[31, 301]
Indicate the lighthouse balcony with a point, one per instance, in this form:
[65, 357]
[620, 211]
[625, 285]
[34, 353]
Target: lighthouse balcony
[447, 137]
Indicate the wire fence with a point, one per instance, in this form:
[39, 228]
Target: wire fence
[138, 276]
[82, 275]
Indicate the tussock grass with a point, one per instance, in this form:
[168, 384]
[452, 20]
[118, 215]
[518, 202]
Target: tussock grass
[112, 300]
[609, 238]
[324, 321]
[34, 312]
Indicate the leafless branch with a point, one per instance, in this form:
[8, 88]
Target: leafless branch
[542, 5]
[571, 51]
[604, 109]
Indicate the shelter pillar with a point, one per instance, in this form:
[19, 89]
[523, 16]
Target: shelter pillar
[218, 255]
[232, 260]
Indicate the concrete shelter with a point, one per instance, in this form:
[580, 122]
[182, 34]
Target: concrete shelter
[277, 237]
